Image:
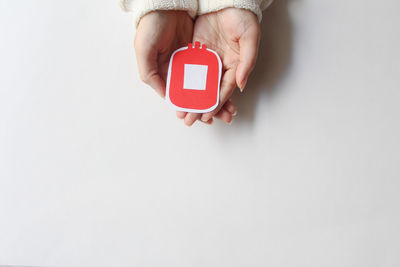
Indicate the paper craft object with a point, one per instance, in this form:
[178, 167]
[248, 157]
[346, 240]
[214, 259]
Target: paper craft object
[193, 81]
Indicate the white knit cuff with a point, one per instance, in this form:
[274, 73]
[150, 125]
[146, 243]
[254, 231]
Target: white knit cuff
[142, 7]
[256, 6]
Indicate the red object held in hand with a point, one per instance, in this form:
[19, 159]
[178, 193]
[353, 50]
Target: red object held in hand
[194, 76]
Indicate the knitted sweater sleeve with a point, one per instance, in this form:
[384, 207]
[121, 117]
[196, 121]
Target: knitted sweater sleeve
[256, 6]
[142, 7]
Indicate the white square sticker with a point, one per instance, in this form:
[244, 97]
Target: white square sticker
[195, 77]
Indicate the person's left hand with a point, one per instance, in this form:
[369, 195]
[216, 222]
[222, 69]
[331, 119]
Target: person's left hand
[234, 34]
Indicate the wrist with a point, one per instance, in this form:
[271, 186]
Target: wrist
[143, 7]
[255, 6]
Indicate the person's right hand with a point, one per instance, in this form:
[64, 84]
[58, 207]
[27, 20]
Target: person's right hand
[158, 35]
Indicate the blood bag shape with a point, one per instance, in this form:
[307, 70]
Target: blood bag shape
[193, 81]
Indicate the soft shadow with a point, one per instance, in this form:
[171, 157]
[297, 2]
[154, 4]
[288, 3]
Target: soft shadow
[273, 61]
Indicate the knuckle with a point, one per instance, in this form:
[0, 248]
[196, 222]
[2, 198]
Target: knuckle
[230, 85]
[144, 77]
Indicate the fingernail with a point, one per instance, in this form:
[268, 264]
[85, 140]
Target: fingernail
[204, 119]
[234, 113]
[187, 123]
[243, 85]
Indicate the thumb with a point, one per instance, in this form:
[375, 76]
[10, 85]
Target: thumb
[248, 49]
[147, 61]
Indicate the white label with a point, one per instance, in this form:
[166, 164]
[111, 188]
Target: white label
[195, 77]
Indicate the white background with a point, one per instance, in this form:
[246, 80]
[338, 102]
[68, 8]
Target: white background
[95, 170]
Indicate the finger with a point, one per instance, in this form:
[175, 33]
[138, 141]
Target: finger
[224, 116]
[209, 122]
[248, 49]
[228, 84]
[147, 62]
[192, 118]
[229, 106]
[181, 115]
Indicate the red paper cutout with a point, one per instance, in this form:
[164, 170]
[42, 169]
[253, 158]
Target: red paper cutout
[194, 76]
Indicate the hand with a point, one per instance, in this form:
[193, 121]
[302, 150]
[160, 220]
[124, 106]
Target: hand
[234, 34]
[158, 35]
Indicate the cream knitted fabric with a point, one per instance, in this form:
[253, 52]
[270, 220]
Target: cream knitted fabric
[256, 6]
[142, 7]
[193, 7]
